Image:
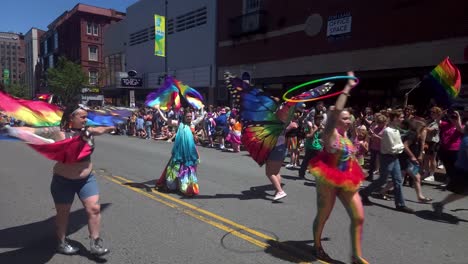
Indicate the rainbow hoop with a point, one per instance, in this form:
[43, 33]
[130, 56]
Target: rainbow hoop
[317, 81]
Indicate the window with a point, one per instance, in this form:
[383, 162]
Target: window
[93, 78]
[89, 29]
[93, 53]
[95, 29]
[252, 6]
[56, 40]
[45, 46]
[51, 61]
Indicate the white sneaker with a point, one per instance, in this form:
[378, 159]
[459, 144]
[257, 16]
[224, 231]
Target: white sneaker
[440, 167]
[222, 147]
[289, 166]
[279, 195]
[430, 178]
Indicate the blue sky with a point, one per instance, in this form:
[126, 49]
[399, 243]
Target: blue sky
[22, 15]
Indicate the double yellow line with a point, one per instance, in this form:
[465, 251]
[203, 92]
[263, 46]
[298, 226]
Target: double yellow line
[215, 220]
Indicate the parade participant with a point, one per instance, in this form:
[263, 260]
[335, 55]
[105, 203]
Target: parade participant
[458, 183]
[72, 177]
[181, 171]
[391, 146]
[266, 123]
[338, 175]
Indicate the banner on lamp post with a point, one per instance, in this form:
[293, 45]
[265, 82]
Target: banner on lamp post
[160, 36]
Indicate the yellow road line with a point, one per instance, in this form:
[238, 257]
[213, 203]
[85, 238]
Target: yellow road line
[221, 226]
[191, 206]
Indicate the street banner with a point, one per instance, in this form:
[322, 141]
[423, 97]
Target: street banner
[160, 36]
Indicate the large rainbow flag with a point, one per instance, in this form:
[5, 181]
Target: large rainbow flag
[447, 79]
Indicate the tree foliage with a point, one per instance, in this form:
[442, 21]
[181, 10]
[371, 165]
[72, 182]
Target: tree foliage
[18, 90]
[66, 80]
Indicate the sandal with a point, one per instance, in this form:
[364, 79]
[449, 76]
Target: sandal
[320, 254]
[425, 200]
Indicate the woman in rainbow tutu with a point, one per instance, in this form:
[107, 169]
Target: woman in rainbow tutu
[338, 174]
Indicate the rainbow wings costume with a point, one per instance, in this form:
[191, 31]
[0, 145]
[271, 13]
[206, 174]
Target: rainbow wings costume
[263, 117]
[42, 114]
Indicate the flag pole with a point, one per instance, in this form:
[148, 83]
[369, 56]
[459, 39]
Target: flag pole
[407, 94]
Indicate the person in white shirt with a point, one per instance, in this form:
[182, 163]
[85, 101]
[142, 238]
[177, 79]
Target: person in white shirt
[390, 147]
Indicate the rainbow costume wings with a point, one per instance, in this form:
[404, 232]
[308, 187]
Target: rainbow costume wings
[170, 94]
[264, 118]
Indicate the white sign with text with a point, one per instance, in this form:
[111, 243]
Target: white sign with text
[339, 24]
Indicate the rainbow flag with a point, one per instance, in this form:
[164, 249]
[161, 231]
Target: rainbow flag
[34, 113]
[170, 94]
[42, 114]
[447, 77]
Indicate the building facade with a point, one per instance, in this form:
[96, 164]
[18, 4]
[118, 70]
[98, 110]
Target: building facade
[33, 71]
[390, 44]
[190, 47]
[78, 35]
[12, 62]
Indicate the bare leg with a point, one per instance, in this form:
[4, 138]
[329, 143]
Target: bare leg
[326, 196]
[272, 171]
[352, 203]
[93, 210]
[61, 220]
[417, 186]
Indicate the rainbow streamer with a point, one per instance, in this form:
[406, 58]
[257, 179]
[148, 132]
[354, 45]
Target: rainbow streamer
[165, 97]
[447, 77]
[169, 94]
[193, 97]
[34, 113]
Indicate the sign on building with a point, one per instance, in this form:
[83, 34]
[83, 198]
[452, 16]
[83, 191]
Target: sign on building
[131, 82]
[160, 36]
[6, 77]
[339, 25]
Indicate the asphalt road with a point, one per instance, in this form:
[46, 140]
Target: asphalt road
[233, 220]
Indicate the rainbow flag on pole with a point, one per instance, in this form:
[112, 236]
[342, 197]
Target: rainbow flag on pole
[447, 77]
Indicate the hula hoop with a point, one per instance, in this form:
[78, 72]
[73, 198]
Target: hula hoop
[317, 81]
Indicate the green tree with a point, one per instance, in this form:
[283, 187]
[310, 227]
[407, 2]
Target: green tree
[18, 90]
[66, 80]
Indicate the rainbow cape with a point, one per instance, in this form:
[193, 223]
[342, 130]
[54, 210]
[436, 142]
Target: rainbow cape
[66, 151]
[170, 94]
[446, 79]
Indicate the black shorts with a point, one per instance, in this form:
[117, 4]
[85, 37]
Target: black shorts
[458, 182]
[432, 148]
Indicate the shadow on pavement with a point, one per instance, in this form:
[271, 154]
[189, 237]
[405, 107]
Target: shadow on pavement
[35, 242]
[256, 192]
[444, 218]
[148, 185]
[294, 251]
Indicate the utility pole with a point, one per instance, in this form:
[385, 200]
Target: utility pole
[165, 40]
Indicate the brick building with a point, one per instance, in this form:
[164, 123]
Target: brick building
[390, 44]
[78, 35]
